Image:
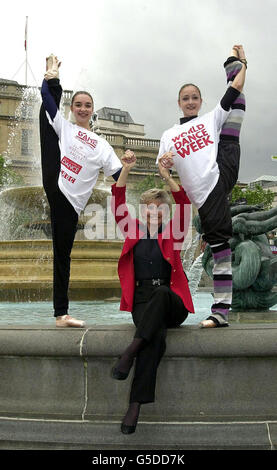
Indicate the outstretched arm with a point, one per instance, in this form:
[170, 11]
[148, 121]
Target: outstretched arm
[128, 162]
[48, 100]
[126, 224]
[181, 218]
[55, 90]
[164, 172]
[239, 80]
[51, 90]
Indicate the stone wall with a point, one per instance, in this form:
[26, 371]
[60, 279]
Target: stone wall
[215, 389]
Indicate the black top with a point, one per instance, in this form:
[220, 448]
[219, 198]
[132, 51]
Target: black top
[186, 119]
[149, 262]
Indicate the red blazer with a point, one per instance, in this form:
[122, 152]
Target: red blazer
[170, 242]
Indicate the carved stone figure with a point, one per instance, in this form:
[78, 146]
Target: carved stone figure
[254, 265]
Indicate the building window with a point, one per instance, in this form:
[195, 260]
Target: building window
[117, 118]
[26, 142]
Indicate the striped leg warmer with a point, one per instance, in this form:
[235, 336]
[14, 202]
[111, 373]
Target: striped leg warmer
[231, 128]
[222, 279]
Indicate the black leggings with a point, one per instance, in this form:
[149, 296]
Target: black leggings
[215, 213]
[155, 310]
[64, 218]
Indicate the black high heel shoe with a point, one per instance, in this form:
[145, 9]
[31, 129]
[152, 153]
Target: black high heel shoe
[125, 429]
[134, 409]
[119, 375]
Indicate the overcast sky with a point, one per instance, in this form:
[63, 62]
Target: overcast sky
[135, 55]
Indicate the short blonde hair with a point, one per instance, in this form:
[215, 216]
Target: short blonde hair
[154, 194]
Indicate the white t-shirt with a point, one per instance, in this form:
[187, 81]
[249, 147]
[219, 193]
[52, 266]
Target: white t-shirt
[83, 154]
[194, 145]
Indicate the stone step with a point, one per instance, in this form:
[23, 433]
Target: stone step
[106, 435]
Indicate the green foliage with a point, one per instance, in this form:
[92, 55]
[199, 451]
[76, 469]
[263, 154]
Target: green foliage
[253, 196]
[8, 177]
[148, 182]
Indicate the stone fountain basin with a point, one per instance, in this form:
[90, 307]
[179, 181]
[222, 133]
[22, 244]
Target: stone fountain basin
[32, 200]
[26, 270]
[34, 196]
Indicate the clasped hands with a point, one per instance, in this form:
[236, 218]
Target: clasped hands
[128, 161]
[165, 163]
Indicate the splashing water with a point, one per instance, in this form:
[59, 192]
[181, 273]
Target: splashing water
[23, 150]
[24, 134]
[189, 253]
[193, 266]
[195, 274]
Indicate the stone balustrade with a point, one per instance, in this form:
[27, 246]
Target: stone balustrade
[134, 142]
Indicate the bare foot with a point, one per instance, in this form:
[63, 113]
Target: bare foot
[207, 324]
[68, 321]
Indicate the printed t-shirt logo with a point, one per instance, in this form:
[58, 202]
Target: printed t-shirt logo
[67, 177]
[195, 139]
[83, 137]
[70, 165]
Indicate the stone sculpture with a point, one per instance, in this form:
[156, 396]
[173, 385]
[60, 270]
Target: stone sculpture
[254, 265]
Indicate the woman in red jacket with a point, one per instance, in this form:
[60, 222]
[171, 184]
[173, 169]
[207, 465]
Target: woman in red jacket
[154, 285]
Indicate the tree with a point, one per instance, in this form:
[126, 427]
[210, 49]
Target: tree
[253, 196]
[8, 177]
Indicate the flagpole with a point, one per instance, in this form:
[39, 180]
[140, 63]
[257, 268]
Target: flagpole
[26, 50]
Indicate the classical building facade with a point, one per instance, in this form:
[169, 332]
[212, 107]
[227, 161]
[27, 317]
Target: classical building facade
[19, 132]
[19, 128]
[115, 121]
[119, 129]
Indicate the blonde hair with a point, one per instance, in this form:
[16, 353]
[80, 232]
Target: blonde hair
[154, 194]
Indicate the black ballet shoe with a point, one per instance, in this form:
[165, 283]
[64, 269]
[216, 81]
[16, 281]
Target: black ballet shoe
[125, 429]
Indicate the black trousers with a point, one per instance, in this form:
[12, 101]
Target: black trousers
[155, 310]
[215, 213]
[64, 218]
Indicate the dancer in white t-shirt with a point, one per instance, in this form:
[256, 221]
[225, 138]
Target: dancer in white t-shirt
[72, 156]
[205, 151]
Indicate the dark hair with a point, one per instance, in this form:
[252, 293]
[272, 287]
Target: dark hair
[189, 84]
[81, 93]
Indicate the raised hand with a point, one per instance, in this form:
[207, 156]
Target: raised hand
[240, 51]
[128, 160]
